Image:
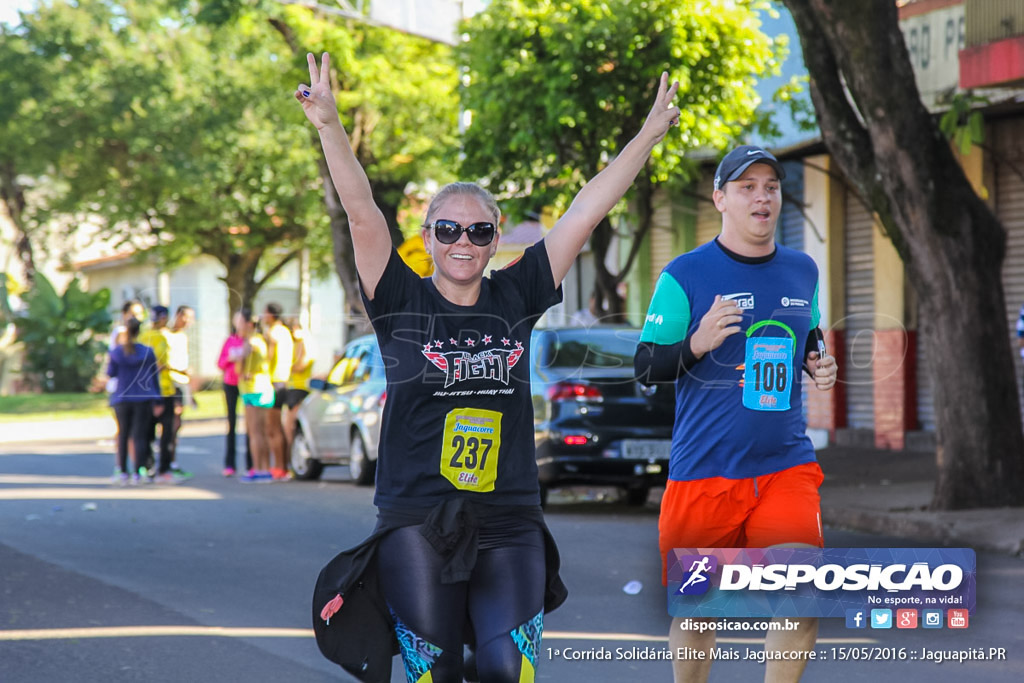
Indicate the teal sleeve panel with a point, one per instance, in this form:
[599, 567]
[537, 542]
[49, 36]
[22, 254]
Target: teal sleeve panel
[668, 317]
[815, 311]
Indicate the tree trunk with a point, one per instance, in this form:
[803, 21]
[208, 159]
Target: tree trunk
[240, 277]
[344, 256]
[891, 150]
[610, 305]
[388, 197]
[12, 194]
[613, 308]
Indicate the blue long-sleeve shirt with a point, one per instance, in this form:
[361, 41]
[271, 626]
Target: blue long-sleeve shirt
[136, 375]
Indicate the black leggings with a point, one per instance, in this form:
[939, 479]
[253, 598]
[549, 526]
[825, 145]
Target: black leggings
[168, 434]
[133, 419]
[231, 398]
[502, 601]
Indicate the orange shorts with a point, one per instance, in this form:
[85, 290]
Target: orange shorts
[779, 508]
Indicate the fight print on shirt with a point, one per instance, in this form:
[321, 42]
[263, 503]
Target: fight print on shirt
[488, 363]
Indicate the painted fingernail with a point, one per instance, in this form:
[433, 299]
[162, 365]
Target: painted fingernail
[305, 93]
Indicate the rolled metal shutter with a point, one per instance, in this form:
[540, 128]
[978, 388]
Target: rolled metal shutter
[925, 395]
[1009, 140]
[790, 231]
[860, 314]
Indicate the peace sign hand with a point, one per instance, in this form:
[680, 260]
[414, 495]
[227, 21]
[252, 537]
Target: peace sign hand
[316, 98]
[662, 115]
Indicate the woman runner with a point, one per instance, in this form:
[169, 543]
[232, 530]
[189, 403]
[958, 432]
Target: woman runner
[462, 553]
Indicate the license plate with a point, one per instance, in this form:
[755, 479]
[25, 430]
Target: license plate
[646, 449]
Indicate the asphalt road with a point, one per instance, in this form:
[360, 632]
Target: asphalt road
[211, 581]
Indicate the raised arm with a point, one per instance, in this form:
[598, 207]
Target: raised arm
[604, 190]
[370, 238]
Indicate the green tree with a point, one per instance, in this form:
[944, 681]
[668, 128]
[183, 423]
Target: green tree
[185, 142]
[63, 334]
[893, 152]
[397, 97]
[24, 147]
[556, 89]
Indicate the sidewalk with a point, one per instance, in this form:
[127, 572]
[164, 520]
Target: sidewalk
[93, 428]
[883, 492]
[888, 492]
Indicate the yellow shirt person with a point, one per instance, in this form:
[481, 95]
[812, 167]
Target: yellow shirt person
[302, 361]
[254, 384]
[156, 338]
[281, 348]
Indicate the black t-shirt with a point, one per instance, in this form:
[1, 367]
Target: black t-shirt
[458, 419]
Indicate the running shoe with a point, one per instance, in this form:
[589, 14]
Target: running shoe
[280, 475]
[257, 477]
[180, 473]
[228, 472]
[119, 478]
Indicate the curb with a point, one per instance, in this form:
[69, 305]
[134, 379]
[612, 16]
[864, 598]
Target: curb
[998, 530]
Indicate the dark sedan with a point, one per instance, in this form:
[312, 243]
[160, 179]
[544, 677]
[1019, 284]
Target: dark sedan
[595, 424]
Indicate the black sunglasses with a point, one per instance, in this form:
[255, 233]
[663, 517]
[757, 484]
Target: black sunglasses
[448, 232]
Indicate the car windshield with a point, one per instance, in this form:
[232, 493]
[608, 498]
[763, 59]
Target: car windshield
[589, 348]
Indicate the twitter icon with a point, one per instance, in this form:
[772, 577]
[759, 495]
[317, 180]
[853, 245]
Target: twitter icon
[881, 618]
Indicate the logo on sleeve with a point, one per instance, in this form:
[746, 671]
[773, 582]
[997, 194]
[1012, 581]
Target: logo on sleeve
[789, 302]
[655, 318]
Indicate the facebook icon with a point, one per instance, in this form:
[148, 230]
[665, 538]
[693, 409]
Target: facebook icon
[855, 618]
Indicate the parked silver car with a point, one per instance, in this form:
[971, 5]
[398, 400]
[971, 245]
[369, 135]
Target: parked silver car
[339, 422]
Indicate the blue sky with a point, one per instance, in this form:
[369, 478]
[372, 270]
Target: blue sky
[9, 9]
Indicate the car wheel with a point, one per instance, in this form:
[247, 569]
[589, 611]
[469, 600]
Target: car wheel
[304, 465]
[637, 496]
[360, 468]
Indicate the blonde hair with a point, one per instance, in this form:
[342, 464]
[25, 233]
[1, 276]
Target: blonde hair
[470, 190]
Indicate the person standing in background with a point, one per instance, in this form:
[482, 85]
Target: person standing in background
[280, 352]
[181, 375]
[156, 338]
[230, 352]
[257, 391]
[131, 310]
[298, 381]
[135, 399]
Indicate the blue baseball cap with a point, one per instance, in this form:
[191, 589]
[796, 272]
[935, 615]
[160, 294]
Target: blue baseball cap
[160, 312]
[740, 159]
